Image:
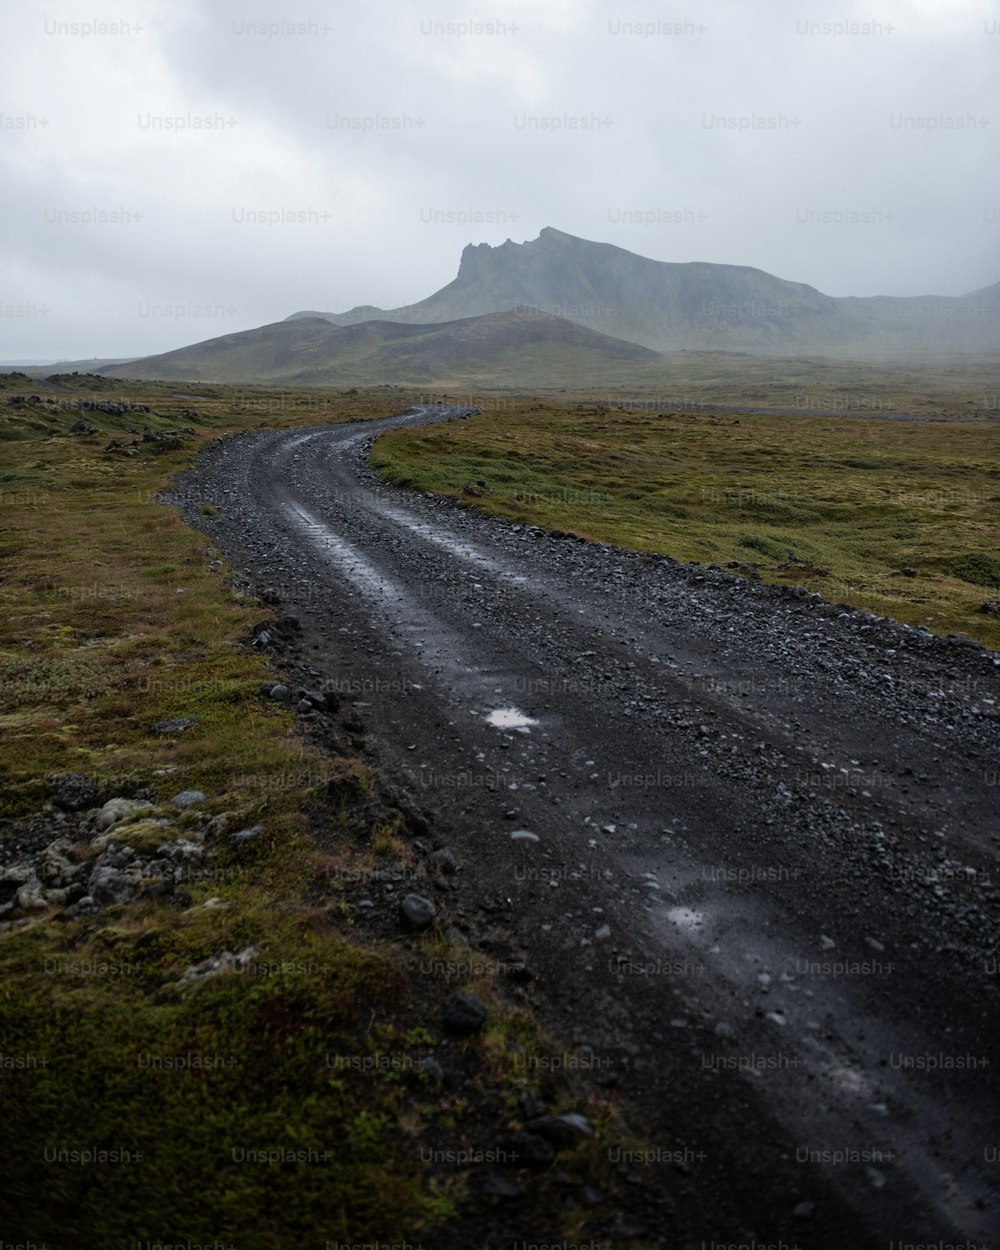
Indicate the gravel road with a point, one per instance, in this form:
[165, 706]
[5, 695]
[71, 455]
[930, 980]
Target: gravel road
[762, 883]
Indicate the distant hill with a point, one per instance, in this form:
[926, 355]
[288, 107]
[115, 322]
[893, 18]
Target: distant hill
[41, 369]
[522, 346]
[695, 306]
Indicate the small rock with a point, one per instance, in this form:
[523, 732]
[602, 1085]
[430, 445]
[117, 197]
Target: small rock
[804, 1211]
[326, 701]
[464, 1014]
[115, 855]
[432, 1068]
[168, 728]
[188, 798]
[225, 961]
[73, 792]
[162, 889]
[417, 912]
[498, 1187]
[31, 896]
[444, 861]
[59, 898]
[562, 1129]
[18, 874]
[243, 836]
[524, 835]
[110, 885]
[279, 692]
[218, 825]
[603, 933]
[117, 809]
[54, 869]
[181, 851]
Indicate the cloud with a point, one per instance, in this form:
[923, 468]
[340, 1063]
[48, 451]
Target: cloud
[262, 159]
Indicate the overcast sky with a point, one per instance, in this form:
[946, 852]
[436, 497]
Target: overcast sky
[386, 136]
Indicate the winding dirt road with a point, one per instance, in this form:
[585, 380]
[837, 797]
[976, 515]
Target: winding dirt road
[762, 888]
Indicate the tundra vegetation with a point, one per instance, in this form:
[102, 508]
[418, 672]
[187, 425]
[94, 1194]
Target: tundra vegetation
[216, 1099]
[234, 1060]
[898, 517]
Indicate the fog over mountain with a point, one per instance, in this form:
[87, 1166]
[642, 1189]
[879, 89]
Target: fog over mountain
[558, 309]
[177, 170]
[675, 307]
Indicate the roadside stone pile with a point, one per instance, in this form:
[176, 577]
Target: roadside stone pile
[112, 408]
[166, 440]
[82, 856]
[27, 401]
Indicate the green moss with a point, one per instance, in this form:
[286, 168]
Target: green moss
[190, 1091]
[145, 836]
[770, 547]
[981, 568]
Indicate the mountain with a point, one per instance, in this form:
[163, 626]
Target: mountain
[558, 310]
[693, 306]
[522, 346]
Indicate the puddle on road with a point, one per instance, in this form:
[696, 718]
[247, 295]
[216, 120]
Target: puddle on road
[687, 919]
[510, 718]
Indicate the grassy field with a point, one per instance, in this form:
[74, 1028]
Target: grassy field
[941, 388]
[901, 518]
[114, 616]
[947, 385]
